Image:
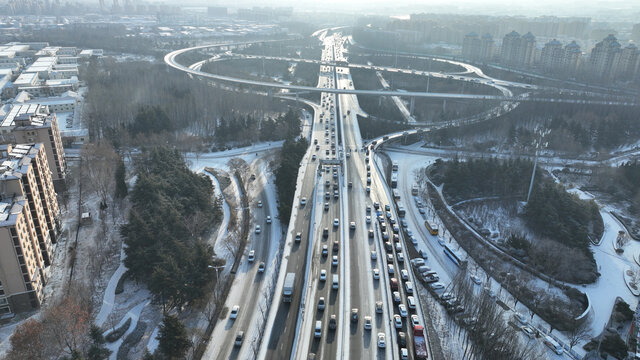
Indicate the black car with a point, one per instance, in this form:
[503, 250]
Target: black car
[402, 339]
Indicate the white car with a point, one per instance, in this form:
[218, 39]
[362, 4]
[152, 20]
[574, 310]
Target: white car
[404, 274]
[374, 255]
[411, 301]
[259, 204]
[258, 229]
[382, 342]
[252, 255]
[234, 312]
[397, 321]
[437, 286]
[402, 310]
[390, 269]
[268, 219]
[352, 225]
[303, 202]
[414, 320]
[336, 222]
[323, 275]
[321, 303]
[404, 354]
[476, 279]
[367, 219]
[334, 260]
[376, 274]
[367, 322]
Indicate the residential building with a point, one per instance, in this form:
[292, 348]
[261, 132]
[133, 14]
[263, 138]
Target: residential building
[605, 58]
[21, 264]
[518, 50]
[32, 123]
[572, 58]
[628, 64]
[552, 56]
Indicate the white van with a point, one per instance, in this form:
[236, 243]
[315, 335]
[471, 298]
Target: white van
[335, 281]
[553, 345]
[317, 332]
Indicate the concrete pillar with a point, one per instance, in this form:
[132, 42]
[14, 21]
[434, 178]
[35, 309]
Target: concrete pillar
[444, 105]
[412, 105]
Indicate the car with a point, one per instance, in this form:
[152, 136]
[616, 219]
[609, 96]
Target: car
[298, 237]
[376, 274]
[321, 303]
[326, 206]
[370, 233]
[390, 269]
[252, 255]
[313, 157]
[234, 312]
[303, 201]
[325, 233]
[259, 204]
[368, 209]
[367, 322]
[323, 275]
[388, 215]
[402, 310]
[388, 247]
[336, 245]
[404, 354]
[414, 320]
[385, 235]
[376, 205]
[336, 222]
[239, 338]
[396, 297]
[527, 330]
[382, 342]
[411, 301]
[261, 267]
[402, 338]
[398, 246]
[447, 296]
[374, 255]
[378, 307]
[325, 250]
[389, 258]
[268, 219]
[387, 207]
[404, 223]
[421, 211]
[521, 319]
[437, 286]
[352, 225]
[476, 279]
[333, 323]
[404, 274]
[396, 239]
[397, 321]
[354, 315]
[334, 260]
[400, 257]
[367, 219]
[417, 262]
[258, 229]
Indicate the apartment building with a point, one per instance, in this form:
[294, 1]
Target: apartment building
[32, 123]
[21, 263]
[475, 47]
[518, 50]
[557, 58]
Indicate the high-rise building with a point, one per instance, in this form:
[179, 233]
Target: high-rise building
[32, 123]
[518, 50]
[605, 58]
[635, 33]
[572, 58]
[552, 56]
[475, 47]
[487, 47]
[628, 64]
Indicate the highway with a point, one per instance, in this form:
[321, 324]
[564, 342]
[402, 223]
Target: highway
[170, 59]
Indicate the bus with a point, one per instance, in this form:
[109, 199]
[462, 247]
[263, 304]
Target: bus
[394, 180]
[454, 256]
[401, 211]
[432, 227]
[394, 166]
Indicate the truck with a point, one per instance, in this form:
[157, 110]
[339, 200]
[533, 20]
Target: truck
[287, 290]
[419, 343]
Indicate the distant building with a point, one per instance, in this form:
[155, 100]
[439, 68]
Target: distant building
[628, 64]
[477, 48]
[635, 33]
[605, 58]
[518, 50]
[572, 58]
[556, 58]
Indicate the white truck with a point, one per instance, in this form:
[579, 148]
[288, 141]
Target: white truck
[287, 290]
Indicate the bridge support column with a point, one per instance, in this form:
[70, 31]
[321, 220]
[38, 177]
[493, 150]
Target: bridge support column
[444, 105]
[379, 101]
[412, 105]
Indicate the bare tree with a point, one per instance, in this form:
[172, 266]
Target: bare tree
[100, 161]
[579, 332]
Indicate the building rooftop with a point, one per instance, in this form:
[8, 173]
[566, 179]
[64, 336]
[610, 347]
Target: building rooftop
[26, 111]
[10, 209]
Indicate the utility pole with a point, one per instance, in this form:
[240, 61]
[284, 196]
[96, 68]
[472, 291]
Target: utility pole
[541, 135]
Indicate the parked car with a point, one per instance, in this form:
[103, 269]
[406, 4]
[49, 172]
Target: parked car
[234, 312]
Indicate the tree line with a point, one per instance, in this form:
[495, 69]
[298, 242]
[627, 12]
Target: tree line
[249, 128]
[287, 174]
[172, 209]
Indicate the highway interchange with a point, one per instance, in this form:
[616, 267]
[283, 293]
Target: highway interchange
[339, 231]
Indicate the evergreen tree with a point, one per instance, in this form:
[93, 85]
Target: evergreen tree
[121, 185]
[98, 350]
[173, 341]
